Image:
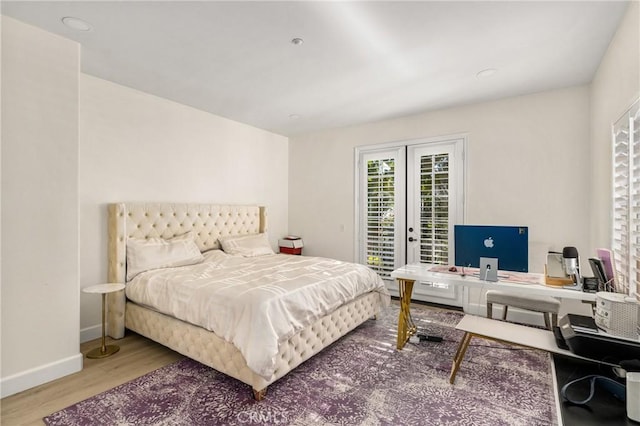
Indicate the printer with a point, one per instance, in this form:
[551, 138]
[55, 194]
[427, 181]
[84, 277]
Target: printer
[581, 335]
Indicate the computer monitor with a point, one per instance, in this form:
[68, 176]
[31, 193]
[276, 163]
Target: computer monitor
[509, 244]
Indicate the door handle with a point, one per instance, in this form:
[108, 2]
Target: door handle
[411, 239]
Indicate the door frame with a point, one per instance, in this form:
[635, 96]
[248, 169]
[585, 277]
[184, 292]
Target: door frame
[459, 173]
[400, 186]
[394, 145]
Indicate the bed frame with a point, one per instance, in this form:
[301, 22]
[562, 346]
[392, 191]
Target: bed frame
[208, 222]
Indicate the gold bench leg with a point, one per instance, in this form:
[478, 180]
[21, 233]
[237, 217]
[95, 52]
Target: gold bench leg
[459, 356]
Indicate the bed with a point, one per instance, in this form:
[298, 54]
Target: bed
[209, 225]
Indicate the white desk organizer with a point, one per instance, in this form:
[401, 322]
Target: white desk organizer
[617, 314]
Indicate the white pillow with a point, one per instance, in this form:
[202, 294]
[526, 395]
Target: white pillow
[246, 245]
[154, 253]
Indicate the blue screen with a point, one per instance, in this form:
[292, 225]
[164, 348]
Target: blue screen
[509, 244]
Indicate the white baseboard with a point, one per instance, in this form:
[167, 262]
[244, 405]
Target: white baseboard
[46, 373]
[90, 333]
[40, 375]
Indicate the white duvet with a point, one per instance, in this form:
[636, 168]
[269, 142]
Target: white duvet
[255, 303]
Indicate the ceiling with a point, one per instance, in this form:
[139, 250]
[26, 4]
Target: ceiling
[359, 62]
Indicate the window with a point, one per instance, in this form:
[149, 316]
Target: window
[626, 200]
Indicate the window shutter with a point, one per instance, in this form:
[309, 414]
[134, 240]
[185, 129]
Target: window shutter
[634, 197]
[434, 209]
[626, 201]
[380, 219]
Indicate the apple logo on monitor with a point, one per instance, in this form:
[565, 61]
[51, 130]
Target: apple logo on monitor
[488, 243]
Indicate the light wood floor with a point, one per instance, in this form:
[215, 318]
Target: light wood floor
[137, 356]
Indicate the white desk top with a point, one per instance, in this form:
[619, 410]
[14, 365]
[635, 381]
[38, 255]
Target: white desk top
[104, 288]
[421, 272]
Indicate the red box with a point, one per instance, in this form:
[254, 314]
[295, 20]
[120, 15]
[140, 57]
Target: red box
[290, 250]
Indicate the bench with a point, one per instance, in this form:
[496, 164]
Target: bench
[504, 332]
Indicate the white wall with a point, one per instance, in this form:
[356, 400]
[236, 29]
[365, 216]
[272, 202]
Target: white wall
[521, 154]
[613, 90]
[535, 144]
[138, 147]
[40, 286]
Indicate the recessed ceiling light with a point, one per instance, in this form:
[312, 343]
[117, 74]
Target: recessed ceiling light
[294, 116]
[297, 41]
[76, 23]
[489, 72]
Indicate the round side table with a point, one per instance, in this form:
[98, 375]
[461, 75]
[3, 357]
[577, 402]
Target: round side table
[104, 350]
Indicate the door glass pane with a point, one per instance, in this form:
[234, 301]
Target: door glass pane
[434, 209]
[380, 218]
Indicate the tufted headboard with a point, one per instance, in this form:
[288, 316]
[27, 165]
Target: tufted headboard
[208, 222]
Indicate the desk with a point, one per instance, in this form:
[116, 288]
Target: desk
[409, 274]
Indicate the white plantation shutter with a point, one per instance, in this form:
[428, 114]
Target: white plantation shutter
[381, 215]
[434, 208]
[626, 200]
[383, 201]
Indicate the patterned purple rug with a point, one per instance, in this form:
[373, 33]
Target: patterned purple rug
[359, 380]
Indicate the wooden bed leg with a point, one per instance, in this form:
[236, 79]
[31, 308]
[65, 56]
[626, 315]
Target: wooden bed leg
[259, 395]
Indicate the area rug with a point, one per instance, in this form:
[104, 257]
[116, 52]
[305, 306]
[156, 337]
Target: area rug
[359, 380]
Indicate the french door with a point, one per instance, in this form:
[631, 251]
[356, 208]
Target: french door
[409, 197]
